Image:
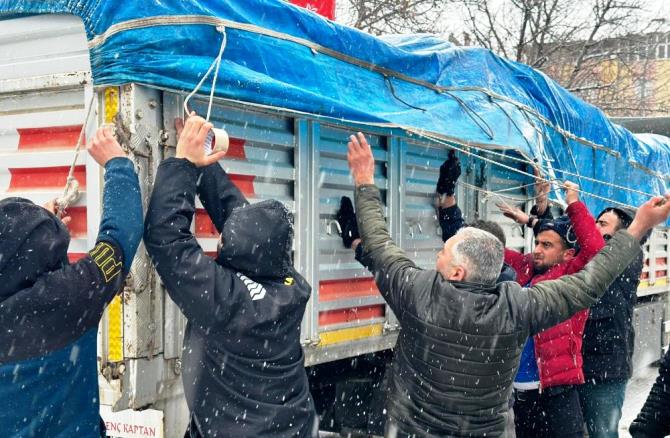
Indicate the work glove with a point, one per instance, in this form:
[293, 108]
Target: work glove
[450, 170]
[347, 220]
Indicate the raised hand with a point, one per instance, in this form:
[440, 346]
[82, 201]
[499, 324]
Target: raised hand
[514, 213]
[192, 140]
[104, 147]
[651, 213]
[571, 192]
[361, 161]
[450, 171]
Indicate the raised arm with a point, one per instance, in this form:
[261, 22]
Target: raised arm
[216, 191]
[218, 194]
[199, 286]
[393, 270]
[448, 213]
[64, 304]
[584, 225]
[550, 302]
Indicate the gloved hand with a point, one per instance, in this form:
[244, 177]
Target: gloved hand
[450, 170]
[347, 220]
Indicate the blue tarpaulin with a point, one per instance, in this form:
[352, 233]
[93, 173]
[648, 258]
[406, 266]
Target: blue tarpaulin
[283, 56]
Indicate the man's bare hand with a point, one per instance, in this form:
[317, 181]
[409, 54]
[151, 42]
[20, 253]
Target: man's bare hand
[571, 192]
[651, 213]
[514, 213]
[542, 188]
[191, 143]
[361, 161]
[104, 147]
[52, 207]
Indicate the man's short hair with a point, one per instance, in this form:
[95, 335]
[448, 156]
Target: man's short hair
[481, 253]
[492, 228]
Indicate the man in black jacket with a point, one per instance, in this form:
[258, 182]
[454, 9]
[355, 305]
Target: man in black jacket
[50, 309]
[653, 421]
[243, 366]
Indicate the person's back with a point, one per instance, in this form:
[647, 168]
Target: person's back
[243, 364]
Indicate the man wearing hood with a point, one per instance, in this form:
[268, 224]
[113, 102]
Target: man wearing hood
[50, 309]
[243, 366]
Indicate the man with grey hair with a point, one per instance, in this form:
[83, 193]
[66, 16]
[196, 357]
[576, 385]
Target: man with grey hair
[462, 334]
[479, 253]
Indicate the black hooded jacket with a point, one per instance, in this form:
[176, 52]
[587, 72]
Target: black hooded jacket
[45, 302]
[244, 369]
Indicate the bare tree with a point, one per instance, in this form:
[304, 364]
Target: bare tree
[602, 50]
[391, 16]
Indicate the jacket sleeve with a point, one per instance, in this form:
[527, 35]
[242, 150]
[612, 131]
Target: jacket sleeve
[394, 272]
[218, 194]
[204, 290]
[653, 421]
[549, 302]
[64, 304]
[588, 237]
[121, 221]
[451, 220]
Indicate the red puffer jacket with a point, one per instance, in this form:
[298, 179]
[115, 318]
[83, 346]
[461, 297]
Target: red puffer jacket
[558, 350]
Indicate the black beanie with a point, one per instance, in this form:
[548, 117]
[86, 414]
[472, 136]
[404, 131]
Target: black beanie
[32, 242]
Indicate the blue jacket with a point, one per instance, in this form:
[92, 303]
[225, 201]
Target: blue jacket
[50, 309]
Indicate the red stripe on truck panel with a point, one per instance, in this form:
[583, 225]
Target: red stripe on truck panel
[331, 290]
[245, 183]
[57, 137]
[44, 177]
[236, 149]
[350, 315]
[75, 256]
[78, 226]
[203, 224]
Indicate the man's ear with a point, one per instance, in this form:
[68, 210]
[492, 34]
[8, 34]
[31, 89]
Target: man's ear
[569, 254]
[458, 274]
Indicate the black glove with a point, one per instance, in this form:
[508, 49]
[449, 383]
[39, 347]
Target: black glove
[450, 170]
[347, 220]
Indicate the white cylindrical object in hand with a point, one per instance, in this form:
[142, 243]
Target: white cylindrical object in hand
[217, 141]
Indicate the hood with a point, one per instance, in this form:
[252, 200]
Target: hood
[257, 240]
[32, 241]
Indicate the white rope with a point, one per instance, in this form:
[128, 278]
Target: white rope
[525, 161]
[213, 66]
[551, 180]
[71, 191]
